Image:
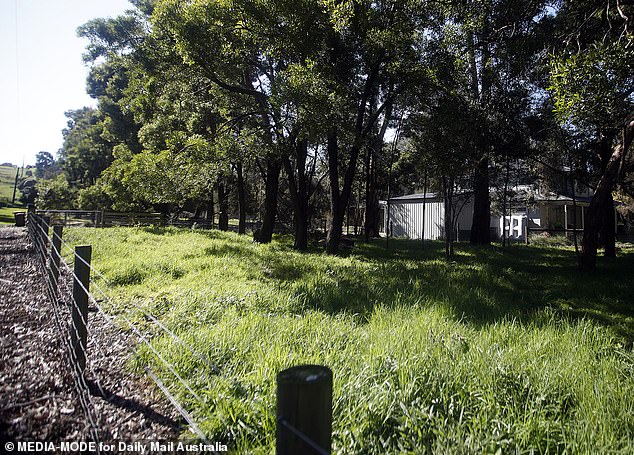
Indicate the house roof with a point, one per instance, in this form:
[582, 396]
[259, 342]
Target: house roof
[560, 198]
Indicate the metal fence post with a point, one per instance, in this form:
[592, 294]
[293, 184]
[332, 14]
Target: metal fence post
[304, 410]
[46, 222]
[53, 271]
[37, 237]
[79, 310]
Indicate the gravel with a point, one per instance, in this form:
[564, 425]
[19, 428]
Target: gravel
[39, 400]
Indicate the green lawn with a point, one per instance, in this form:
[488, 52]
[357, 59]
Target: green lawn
[499, 351]
[6, 214]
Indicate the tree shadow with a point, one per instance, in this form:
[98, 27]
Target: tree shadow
[482, 285]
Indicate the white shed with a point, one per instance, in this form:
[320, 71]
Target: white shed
[542, 212]
[406, 216]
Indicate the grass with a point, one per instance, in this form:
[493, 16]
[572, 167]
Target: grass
[499, 351]
[6, 214]
[7, 181]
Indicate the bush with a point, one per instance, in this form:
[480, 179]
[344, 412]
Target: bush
[546, 239]
[55, 194]
[93, 198]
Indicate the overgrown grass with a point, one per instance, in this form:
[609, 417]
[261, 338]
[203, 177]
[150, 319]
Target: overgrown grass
[498, 351]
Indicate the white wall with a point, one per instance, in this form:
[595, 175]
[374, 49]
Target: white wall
[407, 220]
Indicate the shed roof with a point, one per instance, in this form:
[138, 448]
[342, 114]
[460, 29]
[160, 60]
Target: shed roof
[535, 196]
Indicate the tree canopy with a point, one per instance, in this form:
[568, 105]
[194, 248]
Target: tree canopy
[288, 109]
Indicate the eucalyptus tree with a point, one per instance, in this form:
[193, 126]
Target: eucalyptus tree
[439, 148]
[370, 59]
[592, 81]
[496, 46]
[110, 52]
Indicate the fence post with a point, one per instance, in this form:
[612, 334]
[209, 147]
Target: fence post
[46, 222]
[79, 310]
[37, 237]
[304, 410]
[53, 271]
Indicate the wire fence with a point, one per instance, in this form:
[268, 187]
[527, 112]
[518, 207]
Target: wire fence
[300, 429]
[69, 303]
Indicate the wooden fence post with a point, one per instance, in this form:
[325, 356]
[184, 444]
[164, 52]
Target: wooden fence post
[304, 410]
[79, 310]
[53, 271]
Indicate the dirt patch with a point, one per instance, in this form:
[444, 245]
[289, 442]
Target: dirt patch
[39, 399]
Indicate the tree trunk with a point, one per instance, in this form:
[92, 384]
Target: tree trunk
[480, 231]
[597, 210]
[371, 221]
[242, 201]
[299, 190]
[608, 229]
[448, 190]
[223, 206]
[372, 210]
[272, 182]
[333, 236]
[211, 215]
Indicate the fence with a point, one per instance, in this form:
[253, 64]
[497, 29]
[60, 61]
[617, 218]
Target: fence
[304, 411]
[100, 218]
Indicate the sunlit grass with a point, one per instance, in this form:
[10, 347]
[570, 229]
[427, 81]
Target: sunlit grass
[499, 350]
[6, 214]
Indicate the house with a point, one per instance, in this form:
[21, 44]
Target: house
[530, 211]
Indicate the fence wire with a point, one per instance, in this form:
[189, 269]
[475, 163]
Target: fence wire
[64, 302]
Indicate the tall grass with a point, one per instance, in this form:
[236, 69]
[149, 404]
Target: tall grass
[498, 351]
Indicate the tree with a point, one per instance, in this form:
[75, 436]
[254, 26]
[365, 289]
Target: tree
[44, 163]
[592, 82]
[237, 47]
[496, 46]
[84, 154]
[55, 193]
[370, 59]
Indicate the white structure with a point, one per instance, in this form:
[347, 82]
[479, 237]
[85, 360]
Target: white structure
[406, 216]
[538, 212]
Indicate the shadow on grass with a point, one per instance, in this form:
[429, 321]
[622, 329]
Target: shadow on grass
[481, 285]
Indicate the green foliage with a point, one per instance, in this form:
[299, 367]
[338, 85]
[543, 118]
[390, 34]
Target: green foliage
[94, 197]
[44, 161]
[594, 87]
[55, 194]
[165, 179]
[548, 240]
[85, 153]
[498, 351]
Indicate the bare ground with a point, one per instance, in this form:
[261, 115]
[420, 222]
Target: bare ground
[39, 399]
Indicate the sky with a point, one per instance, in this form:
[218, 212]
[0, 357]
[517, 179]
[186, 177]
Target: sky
[42, 74]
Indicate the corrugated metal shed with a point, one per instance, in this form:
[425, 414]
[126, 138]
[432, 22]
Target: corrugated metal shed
[406, 215]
